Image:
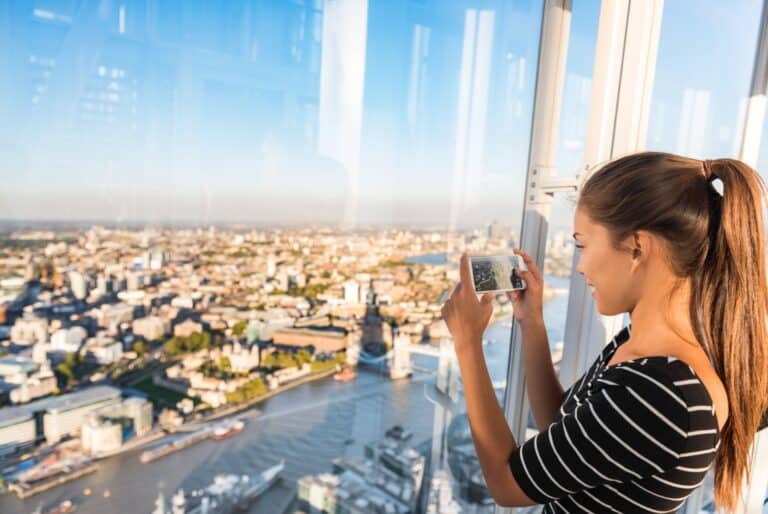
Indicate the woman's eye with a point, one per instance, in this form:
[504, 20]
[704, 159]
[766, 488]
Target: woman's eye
[580, 247]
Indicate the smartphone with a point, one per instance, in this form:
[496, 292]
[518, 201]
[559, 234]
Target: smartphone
[496, 273]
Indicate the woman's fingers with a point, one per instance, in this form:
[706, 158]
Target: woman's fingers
[530, 263]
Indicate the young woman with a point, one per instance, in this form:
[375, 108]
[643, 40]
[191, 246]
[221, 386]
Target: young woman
[682, 386]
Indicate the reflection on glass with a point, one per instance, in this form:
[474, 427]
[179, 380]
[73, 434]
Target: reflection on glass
[693, 111]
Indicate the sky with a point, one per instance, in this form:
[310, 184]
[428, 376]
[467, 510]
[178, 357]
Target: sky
[349, 112]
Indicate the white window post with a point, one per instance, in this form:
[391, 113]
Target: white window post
[625, 62]
[540, 185]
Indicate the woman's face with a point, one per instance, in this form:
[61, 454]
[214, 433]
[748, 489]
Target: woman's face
[607, 270]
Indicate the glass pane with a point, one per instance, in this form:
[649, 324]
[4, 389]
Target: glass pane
[211, 208]
[557, 273]
[694, 111]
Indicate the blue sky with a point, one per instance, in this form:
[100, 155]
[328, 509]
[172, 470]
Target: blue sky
[273, 112]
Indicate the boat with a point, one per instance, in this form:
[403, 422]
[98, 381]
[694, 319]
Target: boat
[160, 504]
[173, 446]
[226, 494]
[226, 430]
[345, 375]
[64, 507]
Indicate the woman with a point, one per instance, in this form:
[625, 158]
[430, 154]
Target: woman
[639, 430]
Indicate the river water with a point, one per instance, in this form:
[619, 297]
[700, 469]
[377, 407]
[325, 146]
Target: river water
[307, 426]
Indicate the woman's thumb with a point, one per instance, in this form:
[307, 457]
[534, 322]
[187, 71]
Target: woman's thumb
[487, 298]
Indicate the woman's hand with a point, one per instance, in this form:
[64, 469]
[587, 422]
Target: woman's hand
[528, 303]
[466, 316]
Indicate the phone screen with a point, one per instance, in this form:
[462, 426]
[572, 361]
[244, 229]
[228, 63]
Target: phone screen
[496, 273]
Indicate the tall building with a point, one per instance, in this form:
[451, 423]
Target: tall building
[151, 328]
[107, 428]
[351, 292]
[51, 418]
[28, 330]
[103, 349]
[400, 365]
[498, 231]
[78, 285]
[23, 380]
[68, 340]
[322, 340]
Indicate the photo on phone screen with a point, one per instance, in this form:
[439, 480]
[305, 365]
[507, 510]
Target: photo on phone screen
[496, 273]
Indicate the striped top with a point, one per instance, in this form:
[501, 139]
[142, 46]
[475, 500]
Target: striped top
[637, 436]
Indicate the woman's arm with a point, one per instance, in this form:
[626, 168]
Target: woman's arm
[493, 439]
[545, 393]
[467, 317]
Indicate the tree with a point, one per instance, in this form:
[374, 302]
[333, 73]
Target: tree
[66, 372]
[247, 391]
[68, 368]
[140, 347]
[239, 328]
[178, 345]
[269, 361]
[173, 346]
[285, 360]
[303, 356]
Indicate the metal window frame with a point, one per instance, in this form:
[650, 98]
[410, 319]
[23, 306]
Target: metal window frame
[540, 186]
[625, 61]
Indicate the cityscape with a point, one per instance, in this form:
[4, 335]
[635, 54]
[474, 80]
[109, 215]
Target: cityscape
[141, 343]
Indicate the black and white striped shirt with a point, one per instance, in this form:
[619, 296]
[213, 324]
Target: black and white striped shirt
[638, 436]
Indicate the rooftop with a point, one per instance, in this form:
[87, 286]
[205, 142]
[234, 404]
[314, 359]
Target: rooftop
[62, 403]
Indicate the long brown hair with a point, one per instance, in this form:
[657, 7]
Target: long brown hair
[718, 243]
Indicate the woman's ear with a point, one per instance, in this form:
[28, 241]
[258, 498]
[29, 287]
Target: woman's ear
[638, 246]
[642, 246]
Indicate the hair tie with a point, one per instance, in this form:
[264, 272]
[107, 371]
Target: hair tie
[710, 177]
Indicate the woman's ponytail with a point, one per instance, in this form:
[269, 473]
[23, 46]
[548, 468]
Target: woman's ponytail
[733, 294]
